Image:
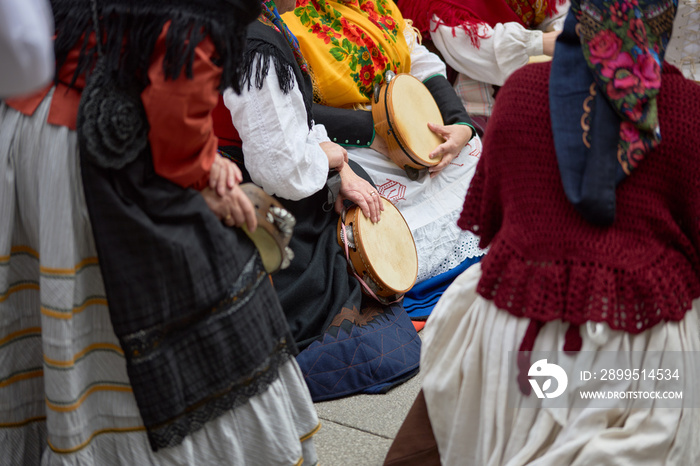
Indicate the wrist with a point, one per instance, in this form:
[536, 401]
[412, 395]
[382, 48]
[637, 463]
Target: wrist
[467, 132]
[342, 169]
[346, 171]
[472, 133]
[340, 166]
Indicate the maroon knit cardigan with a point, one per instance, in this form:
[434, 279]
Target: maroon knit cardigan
[545, 261]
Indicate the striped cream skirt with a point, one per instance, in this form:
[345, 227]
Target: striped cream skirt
[481, 418]
[65, 397]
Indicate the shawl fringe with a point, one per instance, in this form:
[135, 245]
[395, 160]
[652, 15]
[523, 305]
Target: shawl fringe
[258, 58]
[465, 20]
[267, 44]
[130, 29]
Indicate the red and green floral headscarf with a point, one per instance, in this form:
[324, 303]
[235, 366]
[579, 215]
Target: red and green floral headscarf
[349, 45]
[606, 75]
[271, 17]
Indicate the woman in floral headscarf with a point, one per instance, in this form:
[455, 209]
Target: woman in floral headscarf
[485, 41]
[349, 46]
[575, 341]
[269, 129]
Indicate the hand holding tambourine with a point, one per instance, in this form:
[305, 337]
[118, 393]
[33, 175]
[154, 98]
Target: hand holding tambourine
[401, 109]
[266, 222]
[275, 228]
[381, 255]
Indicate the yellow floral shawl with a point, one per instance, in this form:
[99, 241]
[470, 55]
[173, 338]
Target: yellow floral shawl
[349, 45]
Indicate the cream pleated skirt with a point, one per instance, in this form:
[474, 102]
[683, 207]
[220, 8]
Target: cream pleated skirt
[480, 419]
[65, 397]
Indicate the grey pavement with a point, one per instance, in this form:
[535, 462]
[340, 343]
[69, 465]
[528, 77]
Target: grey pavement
[358, 430]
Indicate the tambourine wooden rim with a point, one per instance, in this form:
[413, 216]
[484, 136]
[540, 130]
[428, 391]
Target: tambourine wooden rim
[407, 146]
[383, 253]
[274, 231]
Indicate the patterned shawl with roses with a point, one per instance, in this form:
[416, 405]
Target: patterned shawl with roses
[471, 14]
[349, 45]
[605, 77]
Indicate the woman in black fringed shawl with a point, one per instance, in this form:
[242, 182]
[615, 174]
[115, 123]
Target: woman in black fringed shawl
[136, 326]
[349, 343]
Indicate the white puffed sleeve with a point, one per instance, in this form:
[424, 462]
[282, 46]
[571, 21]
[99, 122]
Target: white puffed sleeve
[424, 63]
[281, 154]
[26, 46]
[501, 50]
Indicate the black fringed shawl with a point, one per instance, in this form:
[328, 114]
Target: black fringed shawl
[138, 23]
[267, 46]
[201, 326]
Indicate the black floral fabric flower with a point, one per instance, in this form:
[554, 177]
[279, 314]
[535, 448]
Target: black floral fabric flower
[112, 123]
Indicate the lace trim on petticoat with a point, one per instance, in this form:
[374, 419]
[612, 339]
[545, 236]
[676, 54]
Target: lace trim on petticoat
[440, 249]
[173, 433]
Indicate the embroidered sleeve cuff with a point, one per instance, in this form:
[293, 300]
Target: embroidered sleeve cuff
[471, 126]
[534, 43]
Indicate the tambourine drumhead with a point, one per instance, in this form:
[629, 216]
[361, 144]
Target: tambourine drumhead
[388, 247]
[269, 240]
[412, 108]
[267, 246]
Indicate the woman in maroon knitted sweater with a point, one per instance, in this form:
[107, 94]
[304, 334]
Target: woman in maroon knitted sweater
[588, 197]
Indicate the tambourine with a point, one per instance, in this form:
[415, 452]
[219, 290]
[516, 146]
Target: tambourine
[383, 254]
[539, 59]
[402, 108]
[274, 231]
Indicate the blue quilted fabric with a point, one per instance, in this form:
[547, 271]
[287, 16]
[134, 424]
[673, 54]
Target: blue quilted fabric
[362, 355]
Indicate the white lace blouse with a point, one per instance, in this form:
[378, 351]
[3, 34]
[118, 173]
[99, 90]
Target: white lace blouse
[26, 46]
